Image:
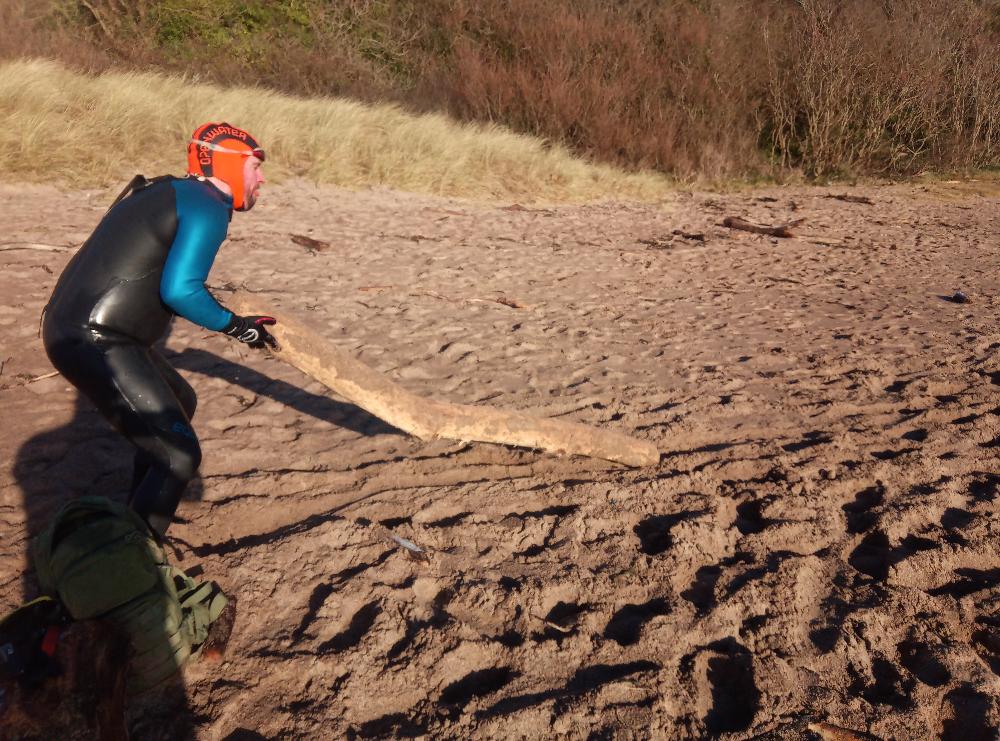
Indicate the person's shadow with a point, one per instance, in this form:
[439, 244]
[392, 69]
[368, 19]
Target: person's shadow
[87, 457]
[344, 415]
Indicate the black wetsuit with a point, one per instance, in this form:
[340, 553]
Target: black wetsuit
[146, 261]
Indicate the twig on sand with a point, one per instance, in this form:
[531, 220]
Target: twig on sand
[784, 230]
[412, 550]
[313, 245]
[851, 199]
[820, 239]
[37, 246]
[519, 207]
[658, 243]
[499, 300]
[556, 626]
[24, 378]
[661, 243]
[230, 287]
[434, 294]
[830, 732]
[42, 377]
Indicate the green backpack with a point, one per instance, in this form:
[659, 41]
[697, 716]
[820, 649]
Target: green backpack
[100, 559]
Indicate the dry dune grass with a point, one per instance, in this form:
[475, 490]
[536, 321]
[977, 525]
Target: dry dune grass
[707, 90]
[56, 123]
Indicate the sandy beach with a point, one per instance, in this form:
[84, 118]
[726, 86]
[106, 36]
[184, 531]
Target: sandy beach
[818, 542]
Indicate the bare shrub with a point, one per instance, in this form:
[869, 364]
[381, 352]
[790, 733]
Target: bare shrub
[635, 82]
[27, 29]
[695, 88]
[852, 88]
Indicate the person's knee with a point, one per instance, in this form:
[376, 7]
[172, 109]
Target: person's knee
[185, 459]
[191, 405]
[188, 400]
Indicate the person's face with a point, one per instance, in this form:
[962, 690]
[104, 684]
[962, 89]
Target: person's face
[253, 178]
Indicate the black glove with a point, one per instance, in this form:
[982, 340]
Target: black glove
[250, 329]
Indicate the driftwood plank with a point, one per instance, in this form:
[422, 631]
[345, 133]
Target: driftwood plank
[429, 419]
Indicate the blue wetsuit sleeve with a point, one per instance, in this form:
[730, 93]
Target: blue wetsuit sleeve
[202, 224]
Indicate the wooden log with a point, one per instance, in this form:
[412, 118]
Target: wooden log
[429, 419]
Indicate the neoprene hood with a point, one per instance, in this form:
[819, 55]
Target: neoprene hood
[219, 150]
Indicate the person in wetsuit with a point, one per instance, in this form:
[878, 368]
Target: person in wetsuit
[147, 261]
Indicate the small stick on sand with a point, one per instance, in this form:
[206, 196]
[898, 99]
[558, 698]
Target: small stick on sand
[499, 300]
[830, 732]
[42, 377]
[25, 379]
[313, 245]
[503, 300]
[7, 246]
[429, 419]
[784, 231]
[852, 199]
[434, 294]
[695, 236]
[412, 550]
[826, 241]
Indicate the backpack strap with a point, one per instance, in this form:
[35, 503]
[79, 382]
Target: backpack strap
[202, 604]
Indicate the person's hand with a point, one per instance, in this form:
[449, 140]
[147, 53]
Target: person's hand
[252, 330]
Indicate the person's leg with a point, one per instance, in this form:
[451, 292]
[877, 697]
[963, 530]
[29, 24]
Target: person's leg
[181, 388]
[189, 402]
[154, 420]
[141, 463]
[122, 380]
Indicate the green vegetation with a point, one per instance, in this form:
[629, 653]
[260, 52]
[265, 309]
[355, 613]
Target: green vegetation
[716, 89]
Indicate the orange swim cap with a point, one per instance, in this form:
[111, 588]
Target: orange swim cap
[219, 150]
